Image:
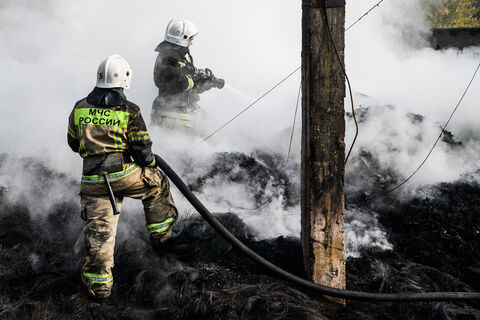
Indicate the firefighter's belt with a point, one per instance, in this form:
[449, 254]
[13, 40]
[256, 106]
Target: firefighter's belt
[113, 162]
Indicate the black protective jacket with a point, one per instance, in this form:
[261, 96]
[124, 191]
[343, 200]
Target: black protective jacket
[176, 78]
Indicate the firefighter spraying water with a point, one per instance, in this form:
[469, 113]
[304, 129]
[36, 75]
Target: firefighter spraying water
[179, 82]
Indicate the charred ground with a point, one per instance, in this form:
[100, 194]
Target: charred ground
[200, 276]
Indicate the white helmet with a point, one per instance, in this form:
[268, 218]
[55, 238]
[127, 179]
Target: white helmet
[114, 72]
[179, 31]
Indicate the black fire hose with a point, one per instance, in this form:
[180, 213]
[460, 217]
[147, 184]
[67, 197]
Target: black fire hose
[347, 294]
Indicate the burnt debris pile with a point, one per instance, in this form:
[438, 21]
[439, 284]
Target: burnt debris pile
[262, 174]
[441, 230]
[197, 275]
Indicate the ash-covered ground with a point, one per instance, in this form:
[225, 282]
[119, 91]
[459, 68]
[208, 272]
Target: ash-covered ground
[428, 241]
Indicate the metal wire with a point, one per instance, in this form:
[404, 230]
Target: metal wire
[349, 86]
[364, 15]
[293, 125]
[250, 105]
[269, 199]
[434, 145]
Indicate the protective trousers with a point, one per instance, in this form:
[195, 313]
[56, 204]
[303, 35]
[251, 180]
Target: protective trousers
[147, 184]
[172, 116]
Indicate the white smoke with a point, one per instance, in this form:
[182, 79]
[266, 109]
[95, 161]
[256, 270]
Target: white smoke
[51, 49]
[394, 66]
[363, 231]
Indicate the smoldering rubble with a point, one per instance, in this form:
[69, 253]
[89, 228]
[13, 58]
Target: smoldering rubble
[427, 242]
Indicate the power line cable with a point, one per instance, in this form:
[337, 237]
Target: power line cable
[293, 125]
[375, 6]
[251, 105]
[269, 199]
[434, 145]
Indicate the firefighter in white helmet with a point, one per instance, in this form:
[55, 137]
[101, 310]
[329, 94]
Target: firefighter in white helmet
[179, 82]
[110, 135]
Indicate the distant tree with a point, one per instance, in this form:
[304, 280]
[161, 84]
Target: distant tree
[453, 13]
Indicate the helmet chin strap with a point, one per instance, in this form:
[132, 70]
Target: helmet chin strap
[190, 57]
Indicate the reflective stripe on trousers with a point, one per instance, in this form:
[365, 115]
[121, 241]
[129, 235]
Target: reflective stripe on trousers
[112, 176]
[160, 227]
[98, 278]
[178, 118]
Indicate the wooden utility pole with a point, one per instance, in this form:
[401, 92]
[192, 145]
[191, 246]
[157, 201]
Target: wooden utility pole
[323, 146]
